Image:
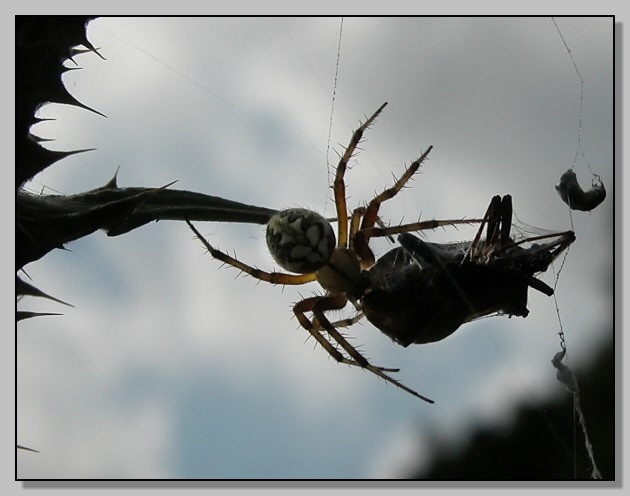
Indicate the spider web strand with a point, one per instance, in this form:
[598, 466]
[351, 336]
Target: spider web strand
[565, 375]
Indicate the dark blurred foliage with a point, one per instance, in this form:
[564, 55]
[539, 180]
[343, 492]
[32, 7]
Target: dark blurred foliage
[543, 441]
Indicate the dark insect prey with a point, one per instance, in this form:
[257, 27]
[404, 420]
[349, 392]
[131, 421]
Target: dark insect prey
[572, 194]
[422, 292]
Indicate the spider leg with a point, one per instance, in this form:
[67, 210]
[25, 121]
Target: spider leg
[339, 186]
[318, 305]
[271, 277]
[355, 221]
[345, 322]
[370, 215]
[362, 236]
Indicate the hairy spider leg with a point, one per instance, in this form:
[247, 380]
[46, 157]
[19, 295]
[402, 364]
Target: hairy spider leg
[271, 277]
[318, 305]
[355, 221]
[378, 232]
[369, 219]
[370, 216]
[357, 317]
[354, 225]
[362, 236]
[339, 186]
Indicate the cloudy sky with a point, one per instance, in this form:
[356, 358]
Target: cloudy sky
[170, 366]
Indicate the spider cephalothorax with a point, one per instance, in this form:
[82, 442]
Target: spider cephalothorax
[303, 242]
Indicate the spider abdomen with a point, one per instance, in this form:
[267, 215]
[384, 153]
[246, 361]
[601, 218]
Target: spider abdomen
[300, 240]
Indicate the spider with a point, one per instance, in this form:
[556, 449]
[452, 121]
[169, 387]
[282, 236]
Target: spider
[303, 242]
[422, 292]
